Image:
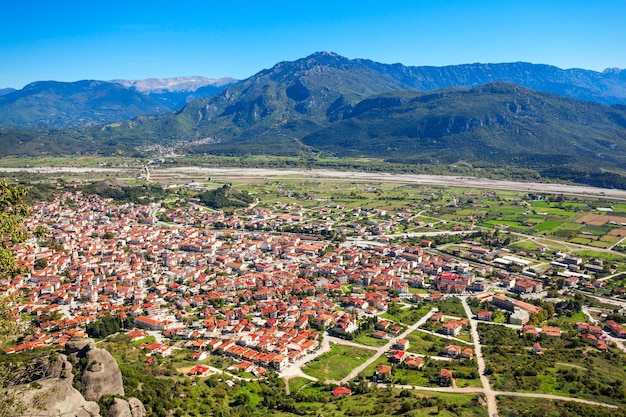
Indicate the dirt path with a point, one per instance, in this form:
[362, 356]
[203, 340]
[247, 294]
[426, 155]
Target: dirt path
[490, 395]
[553, 397]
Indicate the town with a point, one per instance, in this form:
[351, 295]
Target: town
[276, 287]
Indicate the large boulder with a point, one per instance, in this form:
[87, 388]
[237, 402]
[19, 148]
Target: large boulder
[131, 408]
[53, 395]
[137, 408]
[101, 375]
[57, 397]
[57, 366]
[78, 347]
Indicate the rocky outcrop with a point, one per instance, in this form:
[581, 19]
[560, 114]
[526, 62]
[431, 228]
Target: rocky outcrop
[99, 370]
[101, 375]
[54, 394]
[57, 397]
[131, 408]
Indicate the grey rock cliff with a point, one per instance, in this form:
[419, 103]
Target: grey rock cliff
[101, 375]
[55, 394]
[131, 408]
[58, 397]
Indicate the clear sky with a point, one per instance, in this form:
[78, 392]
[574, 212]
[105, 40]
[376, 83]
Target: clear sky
[104, 40]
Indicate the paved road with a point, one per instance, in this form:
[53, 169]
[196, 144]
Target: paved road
[296, 368]
[490, 395]
[606, 300]
[586, 312]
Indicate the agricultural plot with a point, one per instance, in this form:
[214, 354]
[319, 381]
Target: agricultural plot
[337, 363]
[547, 225]
[426, 344]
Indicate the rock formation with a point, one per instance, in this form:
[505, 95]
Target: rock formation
[54, 394]
[54, 397]
[131, 408]
[101, 375]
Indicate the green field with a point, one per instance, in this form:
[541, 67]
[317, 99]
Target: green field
[450, 306]
[581, 241]
[368, 340]
[426, 343]
[338, 363]
[547, 225]
[407, 316]
[296, 383]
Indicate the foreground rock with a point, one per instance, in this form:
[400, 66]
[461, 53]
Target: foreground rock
[100, 373]
[55, 395]
[131, 408]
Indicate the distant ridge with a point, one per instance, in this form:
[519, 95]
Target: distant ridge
[43, 104]
[522, 115]
[69, 106]
[175, 84]
[4, 91]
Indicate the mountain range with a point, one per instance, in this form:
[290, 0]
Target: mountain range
[516, 114]
[88, 102]
[45, 104]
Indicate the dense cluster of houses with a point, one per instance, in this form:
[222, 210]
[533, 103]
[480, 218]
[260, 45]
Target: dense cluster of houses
[241, 291]
[256, 290]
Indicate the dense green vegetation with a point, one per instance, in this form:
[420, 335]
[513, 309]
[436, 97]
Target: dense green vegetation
[567, 367]
[13, 209]
[141, 194]
[108, 325]
[225, 197]
[13, 371]
[541, 407]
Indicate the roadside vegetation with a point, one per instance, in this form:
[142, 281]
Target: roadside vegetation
[567, 367]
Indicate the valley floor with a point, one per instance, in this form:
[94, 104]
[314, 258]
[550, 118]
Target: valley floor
[459, 181]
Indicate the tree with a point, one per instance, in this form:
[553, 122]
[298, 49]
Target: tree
[41, 263]
[13, 209]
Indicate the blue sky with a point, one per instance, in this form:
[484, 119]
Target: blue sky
[71, 40]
